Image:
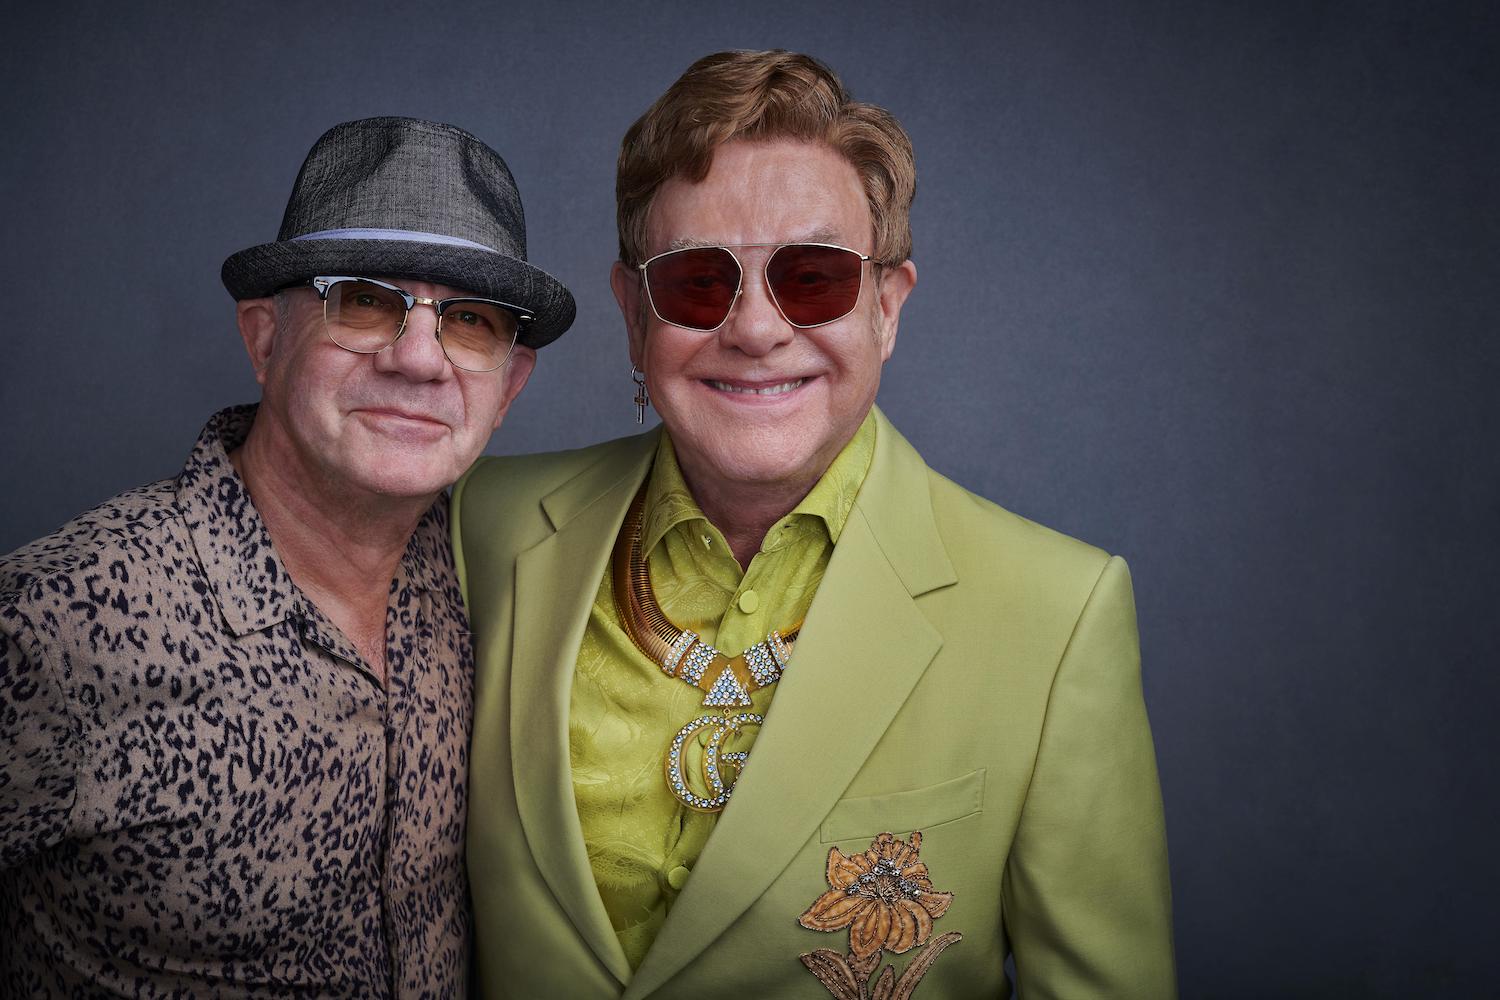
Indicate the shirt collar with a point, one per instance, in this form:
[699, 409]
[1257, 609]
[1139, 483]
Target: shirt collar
[669, 502]
[246, 576]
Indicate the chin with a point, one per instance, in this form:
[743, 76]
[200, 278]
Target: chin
[401, 480]
[750, 449]
[763, 459]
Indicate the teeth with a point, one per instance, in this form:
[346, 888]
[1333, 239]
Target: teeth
[773, 390]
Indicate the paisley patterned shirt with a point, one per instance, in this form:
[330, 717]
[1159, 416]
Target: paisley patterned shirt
[204, 790]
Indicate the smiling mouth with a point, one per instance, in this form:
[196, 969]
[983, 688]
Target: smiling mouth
[403, 415]
[757, 390]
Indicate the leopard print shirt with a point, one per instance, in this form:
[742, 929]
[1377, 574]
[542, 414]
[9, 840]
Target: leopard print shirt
[204, 790]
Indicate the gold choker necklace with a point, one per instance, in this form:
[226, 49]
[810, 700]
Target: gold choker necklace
[725, 680]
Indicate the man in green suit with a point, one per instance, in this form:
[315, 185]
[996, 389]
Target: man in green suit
[765, 706]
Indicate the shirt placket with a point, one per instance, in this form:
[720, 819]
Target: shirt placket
[405, 656]
[314, 628]
[744, 621]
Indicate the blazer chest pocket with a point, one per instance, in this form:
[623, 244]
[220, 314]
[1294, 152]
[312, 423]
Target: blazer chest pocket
[900, 813]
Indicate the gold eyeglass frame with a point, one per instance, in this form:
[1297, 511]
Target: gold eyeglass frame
[324, 283]
[739, 288]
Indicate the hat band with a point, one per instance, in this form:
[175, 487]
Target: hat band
[393, 234]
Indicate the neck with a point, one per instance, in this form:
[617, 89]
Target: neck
[743, 515]
[340, 547]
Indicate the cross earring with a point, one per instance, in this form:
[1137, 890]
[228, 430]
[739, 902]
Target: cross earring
[642, 397]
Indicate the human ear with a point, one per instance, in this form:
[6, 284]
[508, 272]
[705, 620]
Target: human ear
[517, 370]
[625, 281]
[895, 284]
[257, 322]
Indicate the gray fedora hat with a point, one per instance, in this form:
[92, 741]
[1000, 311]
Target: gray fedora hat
[407, 198]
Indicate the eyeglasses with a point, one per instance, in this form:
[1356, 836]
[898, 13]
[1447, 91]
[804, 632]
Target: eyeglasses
[812, 284]
[367, 316]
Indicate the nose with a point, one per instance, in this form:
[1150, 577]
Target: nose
[417, 355]
[755, 326]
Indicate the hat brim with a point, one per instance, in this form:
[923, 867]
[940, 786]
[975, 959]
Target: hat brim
[262, 270]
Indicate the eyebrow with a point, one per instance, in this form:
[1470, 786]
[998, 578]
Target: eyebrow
[824, 235]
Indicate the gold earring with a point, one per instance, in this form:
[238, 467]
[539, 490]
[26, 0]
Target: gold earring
[642, 397]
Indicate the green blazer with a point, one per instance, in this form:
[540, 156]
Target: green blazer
[962, 672]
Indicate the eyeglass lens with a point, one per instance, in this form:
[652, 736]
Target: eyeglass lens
[810, 284]
[476, 334]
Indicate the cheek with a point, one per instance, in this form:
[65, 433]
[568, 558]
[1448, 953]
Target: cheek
[857, 379]
[853, 352]
[482, 411]
[278, 379]
[667, 353]
[313, 383]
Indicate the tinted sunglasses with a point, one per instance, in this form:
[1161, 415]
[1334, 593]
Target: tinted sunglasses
[366, 315]
[810, 283]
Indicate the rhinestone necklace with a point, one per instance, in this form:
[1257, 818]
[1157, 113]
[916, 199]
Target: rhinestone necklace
[725, 680]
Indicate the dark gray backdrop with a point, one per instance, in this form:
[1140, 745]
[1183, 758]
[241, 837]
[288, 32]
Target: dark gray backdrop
[1210, 285]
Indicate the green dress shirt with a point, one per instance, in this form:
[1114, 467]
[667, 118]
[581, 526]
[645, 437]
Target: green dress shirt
[623, 710]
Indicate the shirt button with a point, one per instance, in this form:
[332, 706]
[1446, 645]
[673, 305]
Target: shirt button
[677, 877]
[749, 602]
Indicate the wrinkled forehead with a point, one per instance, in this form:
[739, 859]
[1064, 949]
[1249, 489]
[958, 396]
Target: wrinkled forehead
[764, 192]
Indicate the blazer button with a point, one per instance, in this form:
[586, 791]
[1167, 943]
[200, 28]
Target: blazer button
[677, 877]
[749, 602]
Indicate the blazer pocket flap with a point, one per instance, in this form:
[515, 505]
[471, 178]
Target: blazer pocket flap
[902, 812]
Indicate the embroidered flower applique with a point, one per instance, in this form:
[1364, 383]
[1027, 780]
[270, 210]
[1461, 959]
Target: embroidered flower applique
[885, 897]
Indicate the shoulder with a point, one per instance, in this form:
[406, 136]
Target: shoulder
[516, 485]
[504, 505]
[1004, 562]
[981, 532]
[1006, 566]
[1020, 598]
[531, 477]
[139, 524]
[981, 539]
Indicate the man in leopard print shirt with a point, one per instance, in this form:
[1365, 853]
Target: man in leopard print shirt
[235, 705]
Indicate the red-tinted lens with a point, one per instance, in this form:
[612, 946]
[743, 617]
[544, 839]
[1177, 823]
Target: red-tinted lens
[693, 288]
[813, 284]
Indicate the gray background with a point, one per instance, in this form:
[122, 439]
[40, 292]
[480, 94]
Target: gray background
[1210, 285]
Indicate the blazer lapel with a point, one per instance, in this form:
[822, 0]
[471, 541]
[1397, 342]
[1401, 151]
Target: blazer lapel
[556, 581]
[864, 646]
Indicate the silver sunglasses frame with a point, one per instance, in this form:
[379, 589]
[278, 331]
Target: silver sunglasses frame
[739, 287]
[324, 283]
